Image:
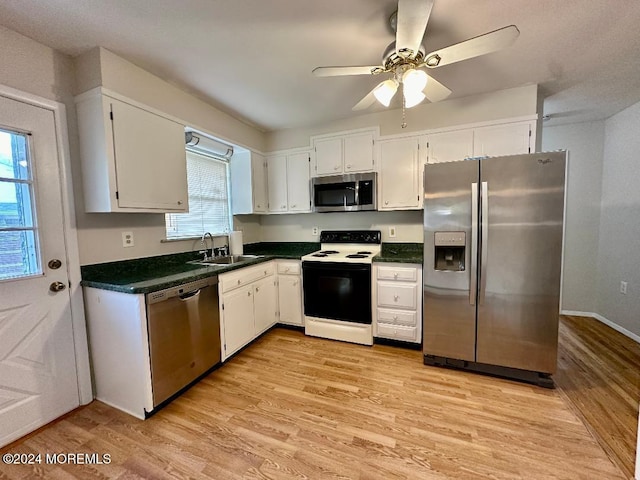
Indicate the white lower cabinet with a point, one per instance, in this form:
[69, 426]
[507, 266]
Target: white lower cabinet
[290, 292]
[248, 305]
[397, 302]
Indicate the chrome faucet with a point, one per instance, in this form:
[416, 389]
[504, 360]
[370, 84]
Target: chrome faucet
[204, 244]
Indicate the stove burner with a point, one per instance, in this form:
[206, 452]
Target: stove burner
[319, 254]
[329, 252]
[356, 255]
[364, 253]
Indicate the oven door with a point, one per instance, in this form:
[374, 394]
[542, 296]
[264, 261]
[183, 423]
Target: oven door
[337, 291]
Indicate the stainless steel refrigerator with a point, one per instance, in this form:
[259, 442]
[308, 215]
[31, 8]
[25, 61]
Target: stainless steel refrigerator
[493, 232]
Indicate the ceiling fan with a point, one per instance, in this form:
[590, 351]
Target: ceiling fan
[405, 58]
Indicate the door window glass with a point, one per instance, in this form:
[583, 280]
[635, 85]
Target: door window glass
[19, 256]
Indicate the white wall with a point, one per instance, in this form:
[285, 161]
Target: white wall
[585, 143]
[619, 242]
[510, 103]
[297, 228]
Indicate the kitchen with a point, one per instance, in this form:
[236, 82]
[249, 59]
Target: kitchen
[600, 183]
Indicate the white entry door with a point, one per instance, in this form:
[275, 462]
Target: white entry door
[38, 380]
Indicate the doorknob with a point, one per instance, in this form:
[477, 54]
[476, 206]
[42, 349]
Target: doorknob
[57, 286]
[54, 264]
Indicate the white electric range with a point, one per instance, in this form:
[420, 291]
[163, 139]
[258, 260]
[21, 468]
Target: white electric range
[337, 286]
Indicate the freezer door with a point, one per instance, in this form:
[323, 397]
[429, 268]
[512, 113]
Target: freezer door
[522, 205]
[449, 328]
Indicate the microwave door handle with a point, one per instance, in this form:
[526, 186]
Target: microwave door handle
[357, 196]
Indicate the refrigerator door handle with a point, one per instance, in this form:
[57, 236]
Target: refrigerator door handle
[473, 271]
[484, 241]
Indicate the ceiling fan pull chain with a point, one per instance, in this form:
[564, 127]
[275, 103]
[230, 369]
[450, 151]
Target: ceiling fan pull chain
[404, 120]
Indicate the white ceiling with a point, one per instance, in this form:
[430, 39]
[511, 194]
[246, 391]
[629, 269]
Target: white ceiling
[253, 58]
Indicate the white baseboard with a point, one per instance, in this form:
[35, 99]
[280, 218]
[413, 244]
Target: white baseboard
[606, 321]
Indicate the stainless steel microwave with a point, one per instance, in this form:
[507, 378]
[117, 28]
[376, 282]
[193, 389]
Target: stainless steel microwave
[344, 193]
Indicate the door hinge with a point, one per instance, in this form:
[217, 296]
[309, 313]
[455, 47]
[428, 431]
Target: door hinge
[418, 197]
[223, 306]
[529, 132]
[111, 115]
[427, 145]
[117, 196]
[529, 150]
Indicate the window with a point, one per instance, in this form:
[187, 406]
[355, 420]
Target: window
[209, 210]
[18, 232]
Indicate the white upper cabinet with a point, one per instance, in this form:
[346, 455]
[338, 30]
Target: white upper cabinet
[508, 139]
[449, 146]
[298, 188]
[344, 154]
[400, 168]
[288, 183]
[248, 168]
[133, 159]
[277, 183]
[328, 156]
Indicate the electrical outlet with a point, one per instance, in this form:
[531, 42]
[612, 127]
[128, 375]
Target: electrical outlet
[127, 239]
[623, 288]
[392, 232]
[314, 231]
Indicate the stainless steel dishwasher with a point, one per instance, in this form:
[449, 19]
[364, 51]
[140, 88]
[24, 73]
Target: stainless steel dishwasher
[184, 335]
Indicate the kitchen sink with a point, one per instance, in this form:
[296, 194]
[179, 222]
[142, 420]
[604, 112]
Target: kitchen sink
[226, 260]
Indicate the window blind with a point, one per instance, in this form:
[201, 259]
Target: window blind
[207, 179]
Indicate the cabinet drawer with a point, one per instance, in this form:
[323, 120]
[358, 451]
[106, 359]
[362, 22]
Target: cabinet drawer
[289, 268]
[398, 273]
[397, 295]
[244, 276]
[397, 317]
[397, 332]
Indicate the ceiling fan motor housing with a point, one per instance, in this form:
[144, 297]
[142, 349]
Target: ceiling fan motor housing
[391, 59]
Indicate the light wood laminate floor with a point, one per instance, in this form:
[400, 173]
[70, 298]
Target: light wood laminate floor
[291, 406]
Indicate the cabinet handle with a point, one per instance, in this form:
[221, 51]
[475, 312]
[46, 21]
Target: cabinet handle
[395, 318]
[179, 202]
[265, 272]
[387, 202]
[295, 283]
[337, 167]
[259, 206]
[248, 294]
[293, 206]
[348, 167]
[287, 269]
[395, 275]
[239, 282]
[257, 289]
[283, 207]
[395, 298]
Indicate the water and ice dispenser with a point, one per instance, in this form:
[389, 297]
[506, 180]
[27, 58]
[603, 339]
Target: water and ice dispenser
[449, 251]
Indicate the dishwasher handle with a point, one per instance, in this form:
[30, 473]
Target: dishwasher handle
[186, 296]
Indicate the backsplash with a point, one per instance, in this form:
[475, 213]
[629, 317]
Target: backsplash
[298, 228]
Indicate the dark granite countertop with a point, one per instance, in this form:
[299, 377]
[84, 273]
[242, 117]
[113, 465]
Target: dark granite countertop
[400, 253]
[150, 274]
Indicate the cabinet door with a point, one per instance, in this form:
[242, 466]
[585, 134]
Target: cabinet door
[510, 139]
[259, 183]
[290, 299]
[449, 146]
[151, 166]
[298, 189]
[358, 153]
[237, 319]
[328, 155]
[277, 183]
[399, 174]
[264, 304]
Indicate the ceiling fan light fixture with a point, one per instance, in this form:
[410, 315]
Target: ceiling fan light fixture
[385, 91]
[414, 80]
[413, 98]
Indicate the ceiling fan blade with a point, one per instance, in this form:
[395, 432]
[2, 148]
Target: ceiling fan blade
[339, 71]
[435, 91]
[412, 19]
[474, 47]
[367, 101]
